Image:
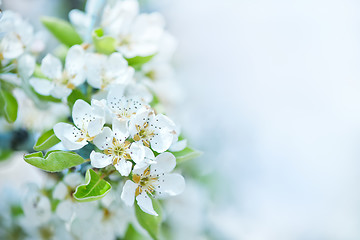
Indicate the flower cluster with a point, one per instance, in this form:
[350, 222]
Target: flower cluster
[136, 133]
[113, 73]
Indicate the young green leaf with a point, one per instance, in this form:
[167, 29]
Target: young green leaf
[54, 161]
[138, 61]
[75, 95]
[132, 234]
[186, 154]
[94, 188]
[5, 154]
[46, 141]
[8, 105]
[103, 44]
[149, 222]
[62, 30]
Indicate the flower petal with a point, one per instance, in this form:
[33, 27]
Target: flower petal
[95, 126]
[69, 136]
[60, 91]
[26, 66]
[170, 185]
[100, 160]
[73, 180]
[42, 86]
[74, 65]
[51, 67]
[165, 162]
[65, 210]
[81, 113]
[128, 192]
[104, 139]
[124, 167]
[162, 141]
[94, 66]
[60, 191]
[120, 127]
[137, 152]
[145, 203]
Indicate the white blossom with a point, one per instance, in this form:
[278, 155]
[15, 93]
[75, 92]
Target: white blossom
[17, 35]
[88, 120]
[68, 206]
[155, 131]
[62, 81]
[155, 180]
[136, 34]
[116, 150]
[104, 71]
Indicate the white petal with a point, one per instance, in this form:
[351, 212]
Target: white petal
[95, 126]
[149, 154]
[65, 210]
[164, 122]
[128, 192]
[115, 93]
[94, 67]
[60, 191]
[170, 185]
[162, 141]
[26, 66]
[124, 167]
[145, 203]
[81, 112]
[120, 127]
[74, 62]
[42, 86]
[116, 65]
[104, 139]
[165, 162]
[69, 135]
[51, 67]
[178, 146]
[100, 160]
[137, 152]
[73, 180]
[60, 91]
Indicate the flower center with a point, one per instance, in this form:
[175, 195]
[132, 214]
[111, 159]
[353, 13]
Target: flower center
[118, 151]
[144, 134]
[146, 182]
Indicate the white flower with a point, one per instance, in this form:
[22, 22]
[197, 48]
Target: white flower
[137, 35]
[103, 70]
[18, 34]
[61, 81]
[178, 144]
[116, 149]
[84, 21]
[36, 206]
[123, 108]
[154, 180]
[155, 131]
[68, 206]
[34, 118]
[89, 121]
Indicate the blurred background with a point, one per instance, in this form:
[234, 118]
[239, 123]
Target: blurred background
[273, 100]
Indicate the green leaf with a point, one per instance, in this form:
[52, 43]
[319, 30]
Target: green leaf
[149, 222]
[132, 234]
[46, 141]
[103, 44]
[54, 161]
[8, 105]
[186, 154]
[75, 95]
[94, 188]
[62, 30]
[5, 154]
[138, 61]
